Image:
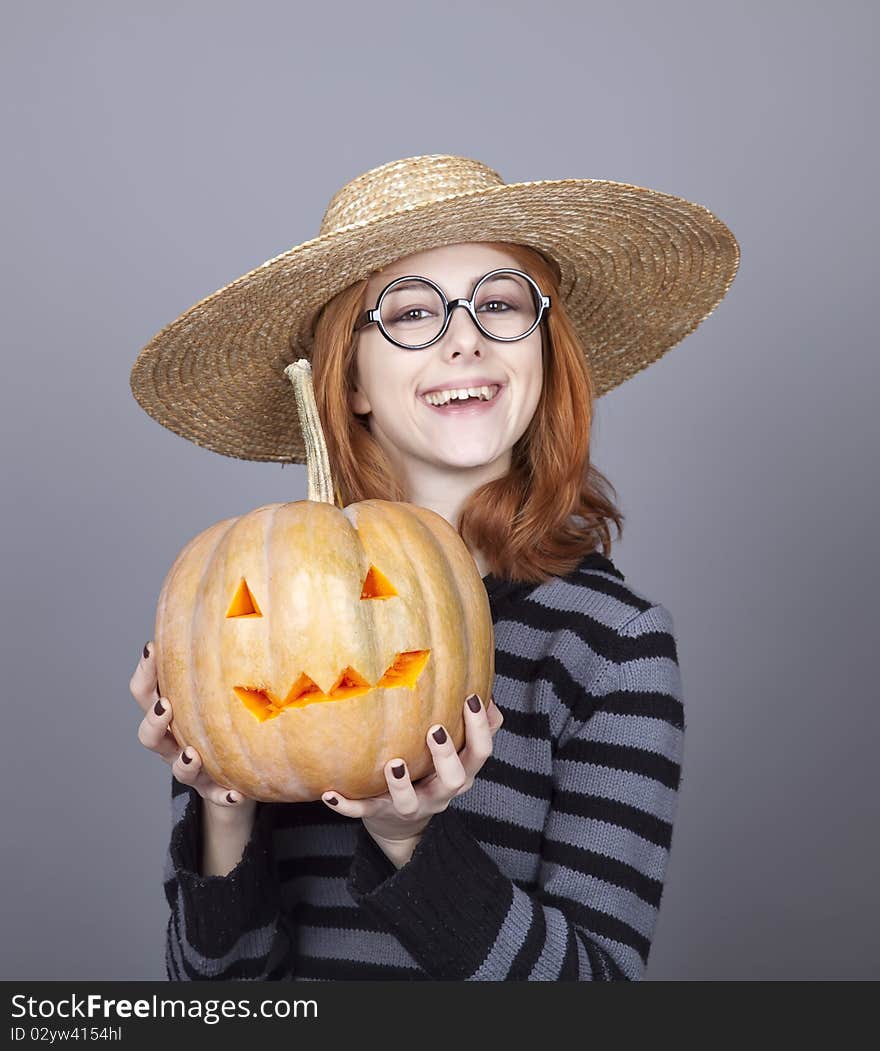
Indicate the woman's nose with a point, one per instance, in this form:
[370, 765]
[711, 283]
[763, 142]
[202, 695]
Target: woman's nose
[462, 329]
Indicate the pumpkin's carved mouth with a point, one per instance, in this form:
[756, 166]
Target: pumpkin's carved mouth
[404, 670]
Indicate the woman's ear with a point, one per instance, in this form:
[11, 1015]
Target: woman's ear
[358, 401]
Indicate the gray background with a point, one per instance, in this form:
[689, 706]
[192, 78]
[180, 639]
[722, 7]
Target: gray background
[155, 151]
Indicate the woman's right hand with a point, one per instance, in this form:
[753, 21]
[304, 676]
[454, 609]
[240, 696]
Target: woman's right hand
[153, 733]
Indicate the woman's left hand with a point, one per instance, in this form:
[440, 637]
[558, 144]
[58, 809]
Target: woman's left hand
[397, 819]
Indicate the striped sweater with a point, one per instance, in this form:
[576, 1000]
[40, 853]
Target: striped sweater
[550, 867]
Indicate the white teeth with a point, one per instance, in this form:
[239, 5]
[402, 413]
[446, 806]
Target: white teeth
[443, 397]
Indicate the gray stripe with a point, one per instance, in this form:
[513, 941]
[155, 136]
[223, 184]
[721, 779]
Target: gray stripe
[607, 610]
[252, 945]
[172, 947]
[513, 933]
[605, 897]
[514, 864]
[359, 946]
[333, 840]
[638, 731]
[652, 675]
[531, 755]
[548, 966]
[625, 956]
[178, 805]
[584, 965]
[633, 789]
[656, 618]
[323, 891]
[612, 841]
[503, 804]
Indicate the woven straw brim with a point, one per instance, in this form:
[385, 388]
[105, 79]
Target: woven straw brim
[640, 270]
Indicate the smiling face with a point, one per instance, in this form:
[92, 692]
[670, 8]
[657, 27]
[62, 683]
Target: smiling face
[265, 703]
[391, 382]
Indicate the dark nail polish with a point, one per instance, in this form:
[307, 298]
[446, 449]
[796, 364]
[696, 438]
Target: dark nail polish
[185, 757]
[332, 800]
[146, 649]
[439, 735]
[474, 703]
[398, 770]
[159, 708]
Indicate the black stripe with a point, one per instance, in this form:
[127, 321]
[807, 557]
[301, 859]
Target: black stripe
[580, 702]
[570, 961]
[308, 815]
[595, 560]
[342, 917]
[647, 703]
[647, 645]
[622, 757]
[531, 948]
[611, 811]
[178, 788]
[599, 923]
[601, 866]
[603, 640]
[238, 969]
[616, 974]
[496, 770]
[501, 833]
[317, 967]
[521, 670]
[318, 865]
[597, 958]
[621, 593]
[505, 594]
[533, 725]
[170, 966]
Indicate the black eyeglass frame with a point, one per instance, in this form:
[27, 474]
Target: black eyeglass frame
[369, 317]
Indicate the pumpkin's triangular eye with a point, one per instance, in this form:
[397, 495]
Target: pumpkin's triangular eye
[377, 585]
[243, 603]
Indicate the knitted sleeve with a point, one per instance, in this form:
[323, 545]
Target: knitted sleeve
[222, 927]
[605, 844]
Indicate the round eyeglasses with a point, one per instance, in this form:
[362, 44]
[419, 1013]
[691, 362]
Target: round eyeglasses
[412, 311]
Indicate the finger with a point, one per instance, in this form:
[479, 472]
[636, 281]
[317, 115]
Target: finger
[495, 716]
[143, 682]
[348, 807]
[187, 768]
[478, 736]
[400, 788]
[154, 734]
[451, 775]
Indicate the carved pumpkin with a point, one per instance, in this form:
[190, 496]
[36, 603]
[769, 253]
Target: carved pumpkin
[303, 645]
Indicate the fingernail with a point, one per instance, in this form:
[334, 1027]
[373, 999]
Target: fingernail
[231, 797]
[159, 708]
[474, 703]
[146, 649]
[186, 758]
[398, 770]
[439, 735]
[332, 800]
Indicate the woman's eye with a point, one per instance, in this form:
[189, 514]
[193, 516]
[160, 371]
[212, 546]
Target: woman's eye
[496, 303]
[407, 315]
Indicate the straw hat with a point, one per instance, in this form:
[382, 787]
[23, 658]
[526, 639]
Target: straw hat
[639, 271]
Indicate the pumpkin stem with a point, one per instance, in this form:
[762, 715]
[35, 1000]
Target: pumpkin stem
[317, 461]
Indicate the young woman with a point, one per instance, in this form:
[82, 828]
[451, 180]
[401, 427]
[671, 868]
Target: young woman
[539, 851]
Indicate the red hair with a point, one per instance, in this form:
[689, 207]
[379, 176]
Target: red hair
[522, 522]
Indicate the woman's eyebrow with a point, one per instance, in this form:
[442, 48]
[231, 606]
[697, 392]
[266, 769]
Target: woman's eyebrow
[474, 280]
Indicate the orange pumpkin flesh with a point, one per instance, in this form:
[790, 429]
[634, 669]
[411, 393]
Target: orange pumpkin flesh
[303, 645]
